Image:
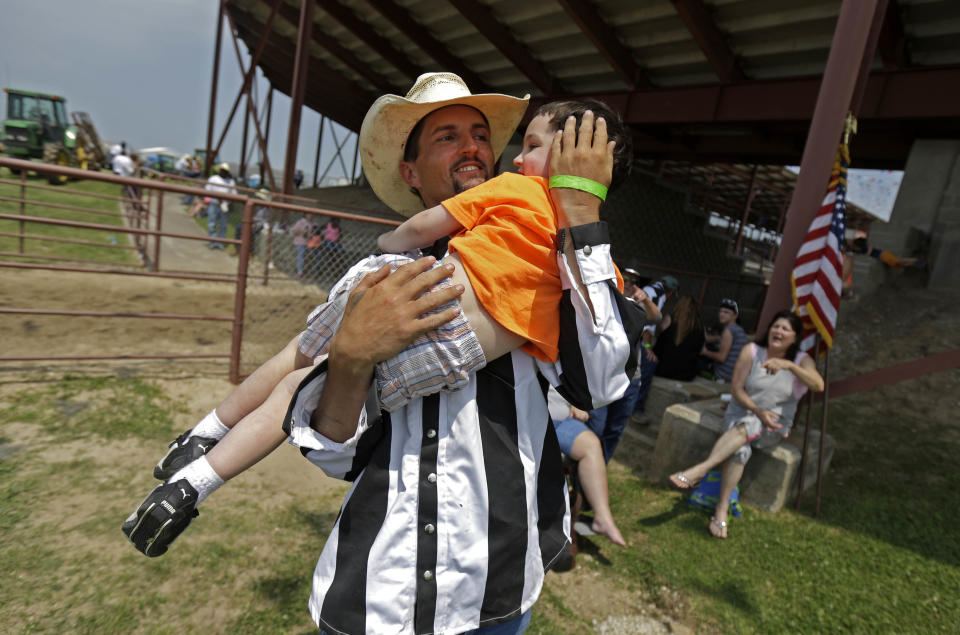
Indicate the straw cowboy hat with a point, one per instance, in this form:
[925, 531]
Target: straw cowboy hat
[390, 119]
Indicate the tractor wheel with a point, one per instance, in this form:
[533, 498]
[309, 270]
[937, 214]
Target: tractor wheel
[55, 153]
[83, 161]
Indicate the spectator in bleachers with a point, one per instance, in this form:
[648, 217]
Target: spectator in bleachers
[579, 443]
[608, 422]
[728, 342]
[680, 341]
[658, 292]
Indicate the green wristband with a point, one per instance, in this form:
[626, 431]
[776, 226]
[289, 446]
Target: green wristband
[579, 183]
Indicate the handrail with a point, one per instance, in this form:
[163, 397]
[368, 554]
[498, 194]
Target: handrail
[895, 374]
[163, 185]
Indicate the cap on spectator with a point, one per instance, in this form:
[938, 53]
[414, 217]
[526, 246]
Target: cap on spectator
[263, 193]
[727, 303]
[630, 272]
[224, 166]
[670, 283]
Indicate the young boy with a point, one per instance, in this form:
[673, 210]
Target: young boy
[504, 238]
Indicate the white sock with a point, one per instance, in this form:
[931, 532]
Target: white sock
[210, 427]
[201, 476]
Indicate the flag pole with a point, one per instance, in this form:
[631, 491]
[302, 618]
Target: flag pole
[823, 429]
[808, 400]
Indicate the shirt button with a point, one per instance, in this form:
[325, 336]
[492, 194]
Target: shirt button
[587, 250]
[428, 575]
[431, 433]
[429, 529]
[431, 477]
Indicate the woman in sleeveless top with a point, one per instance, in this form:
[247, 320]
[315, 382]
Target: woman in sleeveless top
[768, 381]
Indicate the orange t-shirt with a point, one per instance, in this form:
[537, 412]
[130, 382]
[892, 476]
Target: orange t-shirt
[508, 248]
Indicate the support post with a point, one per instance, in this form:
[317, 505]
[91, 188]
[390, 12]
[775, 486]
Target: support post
[247, 74]
[240, 297]
[213, 92]
[266, 136]
[297, 90]
[738, 246]
[844, 63]
[243, 143]
[253, 112]
[316, 161]
[157, 238]
[356, 153]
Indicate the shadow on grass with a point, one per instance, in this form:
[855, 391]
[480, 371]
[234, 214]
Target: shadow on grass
[679, 508]
[894, 479]
[729, 593]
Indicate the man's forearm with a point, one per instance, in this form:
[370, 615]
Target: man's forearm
[341, 403]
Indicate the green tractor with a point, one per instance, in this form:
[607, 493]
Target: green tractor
[37, 127]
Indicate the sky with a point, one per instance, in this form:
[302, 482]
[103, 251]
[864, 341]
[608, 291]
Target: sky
[143, 71]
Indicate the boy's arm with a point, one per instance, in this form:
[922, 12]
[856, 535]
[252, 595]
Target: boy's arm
[599, 327]
[419, 230]
[326, 417]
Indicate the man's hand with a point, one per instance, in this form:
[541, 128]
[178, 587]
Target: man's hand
[587, 154]
[579, 415]
[651, 356]
[386, 312]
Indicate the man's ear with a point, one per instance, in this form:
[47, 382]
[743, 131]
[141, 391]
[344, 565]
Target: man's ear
[408, 172]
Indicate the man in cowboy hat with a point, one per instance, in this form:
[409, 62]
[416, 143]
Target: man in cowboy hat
[460, 504]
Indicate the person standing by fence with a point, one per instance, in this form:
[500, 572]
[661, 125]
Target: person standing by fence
[217, 210]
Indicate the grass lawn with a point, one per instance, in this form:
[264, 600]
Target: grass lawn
[884, 556]
[39, 247]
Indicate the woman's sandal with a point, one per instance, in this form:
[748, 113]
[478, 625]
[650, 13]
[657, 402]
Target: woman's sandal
[721, 527]
[680, 481]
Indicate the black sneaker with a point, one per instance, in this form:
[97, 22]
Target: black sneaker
[182, 451]
[161, 517]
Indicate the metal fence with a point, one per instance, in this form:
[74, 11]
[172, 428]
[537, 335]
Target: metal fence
[256, 291]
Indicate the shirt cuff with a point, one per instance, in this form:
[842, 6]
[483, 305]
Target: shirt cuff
[304, 402]
[591, 243]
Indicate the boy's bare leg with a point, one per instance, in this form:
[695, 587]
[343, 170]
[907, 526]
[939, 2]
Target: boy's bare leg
[257, 434]
[255, 389]
[592, 469]
[495, 340]
[243, 400]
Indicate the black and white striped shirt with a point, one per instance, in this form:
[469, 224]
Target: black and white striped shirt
[458, 505]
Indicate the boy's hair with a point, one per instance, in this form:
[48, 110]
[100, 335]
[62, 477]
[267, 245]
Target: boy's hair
[558, 111]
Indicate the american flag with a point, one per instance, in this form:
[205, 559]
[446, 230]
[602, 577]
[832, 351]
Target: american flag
[818, 270]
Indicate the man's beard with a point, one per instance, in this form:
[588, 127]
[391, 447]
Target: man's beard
[462, 183]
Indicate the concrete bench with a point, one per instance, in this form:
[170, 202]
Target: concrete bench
[688, 432]
[666, 392]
